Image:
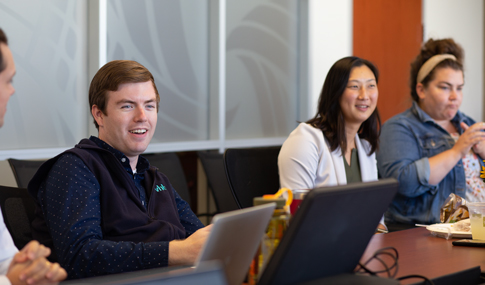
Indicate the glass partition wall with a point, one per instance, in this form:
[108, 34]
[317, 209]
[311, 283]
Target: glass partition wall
[227, 71]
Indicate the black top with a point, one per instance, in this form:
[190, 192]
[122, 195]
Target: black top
[91, 213]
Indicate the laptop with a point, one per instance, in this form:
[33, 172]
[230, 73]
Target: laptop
[231, 244]
[234, 240]
[210, 272]
[329, 233]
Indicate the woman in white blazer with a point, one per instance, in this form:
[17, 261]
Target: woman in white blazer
[338, 145]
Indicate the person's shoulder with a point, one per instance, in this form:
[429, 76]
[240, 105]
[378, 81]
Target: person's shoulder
[84, 154]
[65, 162]
[68, 157]
[304, 129]
[406, 115]
[304, 136]
[406, 119]
[303, 140]
[87, 144]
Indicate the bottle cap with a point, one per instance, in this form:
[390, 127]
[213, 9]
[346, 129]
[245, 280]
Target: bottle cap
[280, 202]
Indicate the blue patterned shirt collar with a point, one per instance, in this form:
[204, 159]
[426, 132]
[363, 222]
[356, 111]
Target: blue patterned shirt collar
[141, 166]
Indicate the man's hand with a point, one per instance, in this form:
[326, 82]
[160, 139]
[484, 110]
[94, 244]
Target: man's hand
[186, 251]
[30, 266]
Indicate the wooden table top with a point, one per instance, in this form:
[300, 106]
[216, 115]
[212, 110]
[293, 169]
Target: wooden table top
[424, 254]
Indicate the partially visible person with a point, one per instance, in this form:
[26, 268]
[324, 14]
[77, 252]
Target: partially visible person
[433, 149]
[102, 208]
[29, 265]
[338, 145]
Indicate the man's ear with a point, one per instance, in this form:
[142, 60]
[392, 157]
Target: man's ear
[420, 91]
[98, 115]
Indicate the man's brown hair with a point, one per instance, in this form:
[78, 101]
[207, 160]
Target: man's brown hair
[3, 40]
[111, 76]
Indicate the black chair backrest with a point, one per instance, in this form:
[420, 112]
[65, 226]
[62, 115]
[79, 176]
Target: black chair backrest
[252, 172]
[169, 164]
[24, 170]
[18, 210]
[213, 164]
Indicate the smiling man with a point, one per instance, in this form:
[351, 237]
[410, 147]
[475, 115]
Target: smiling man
[100, 205]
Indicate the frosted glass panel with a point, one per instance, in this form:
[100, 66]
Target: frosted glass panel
[262, 69]
[170, 38]
[48, 40]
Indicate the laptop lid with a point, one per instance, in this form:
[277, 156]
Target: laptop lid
[329, 232]
[234, 240]
[210, 272]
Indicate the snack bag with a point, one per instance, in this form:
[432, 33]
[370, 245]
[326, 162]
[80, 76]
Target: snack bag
[454, 209]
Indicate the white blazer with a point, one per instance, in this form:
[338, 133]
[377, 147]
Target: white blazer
[306, 162]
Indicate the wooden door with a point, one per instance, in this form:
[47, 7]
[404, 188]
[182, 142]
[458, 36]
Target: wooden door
[389, 33]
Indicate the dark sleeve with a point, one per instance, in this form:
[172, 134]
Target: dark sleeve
[71, 205]
[187, 218]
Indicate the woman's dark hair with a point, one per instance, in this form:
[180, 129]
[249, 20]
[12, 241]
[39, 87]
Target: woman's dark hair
[329, 117]
[429, 49]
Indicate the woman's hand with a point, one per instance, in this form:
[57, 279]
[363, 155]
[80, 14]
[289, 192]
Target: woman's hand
[473, 137]
[442, 163]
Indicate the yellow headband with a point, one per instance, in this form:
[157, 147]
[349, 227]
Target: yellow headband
[431, 63]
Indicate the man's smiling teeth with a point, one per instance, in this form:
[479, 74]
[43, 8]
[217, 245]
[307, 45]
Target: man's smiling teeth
[140, 131]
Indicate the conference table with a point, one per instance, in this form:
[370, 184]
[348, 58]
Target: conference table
[423, 254]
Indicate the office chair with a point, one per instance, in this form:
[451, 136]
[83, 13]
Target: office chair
[24, 170]
[213, 165]
[169, 164]
[252, 172]
[18, 210]
[394, 227]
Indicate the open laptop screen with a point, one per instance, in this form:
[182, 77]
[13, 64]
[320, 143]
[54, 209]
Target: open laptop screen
[330, 232]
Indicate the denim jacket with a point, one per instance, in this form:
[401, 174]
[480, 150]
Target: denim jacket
[407, 141]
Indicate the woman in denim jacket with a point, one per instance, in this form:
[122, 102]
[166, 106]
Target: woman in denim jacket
[432, 148]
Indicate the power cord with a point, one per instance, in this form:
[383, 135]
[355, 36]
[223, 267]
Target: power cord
[386, 251]
[428, 281]
[390, 270]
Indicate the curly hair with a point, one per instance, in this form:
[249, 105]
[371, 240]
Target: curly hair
[431, 48]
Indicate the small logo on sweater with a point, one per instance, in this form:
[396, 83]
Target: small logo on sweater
[160, 187]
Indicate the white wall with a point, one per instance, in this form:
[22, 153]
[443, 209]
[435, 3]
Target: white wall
[330, 38]
[462, 21]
